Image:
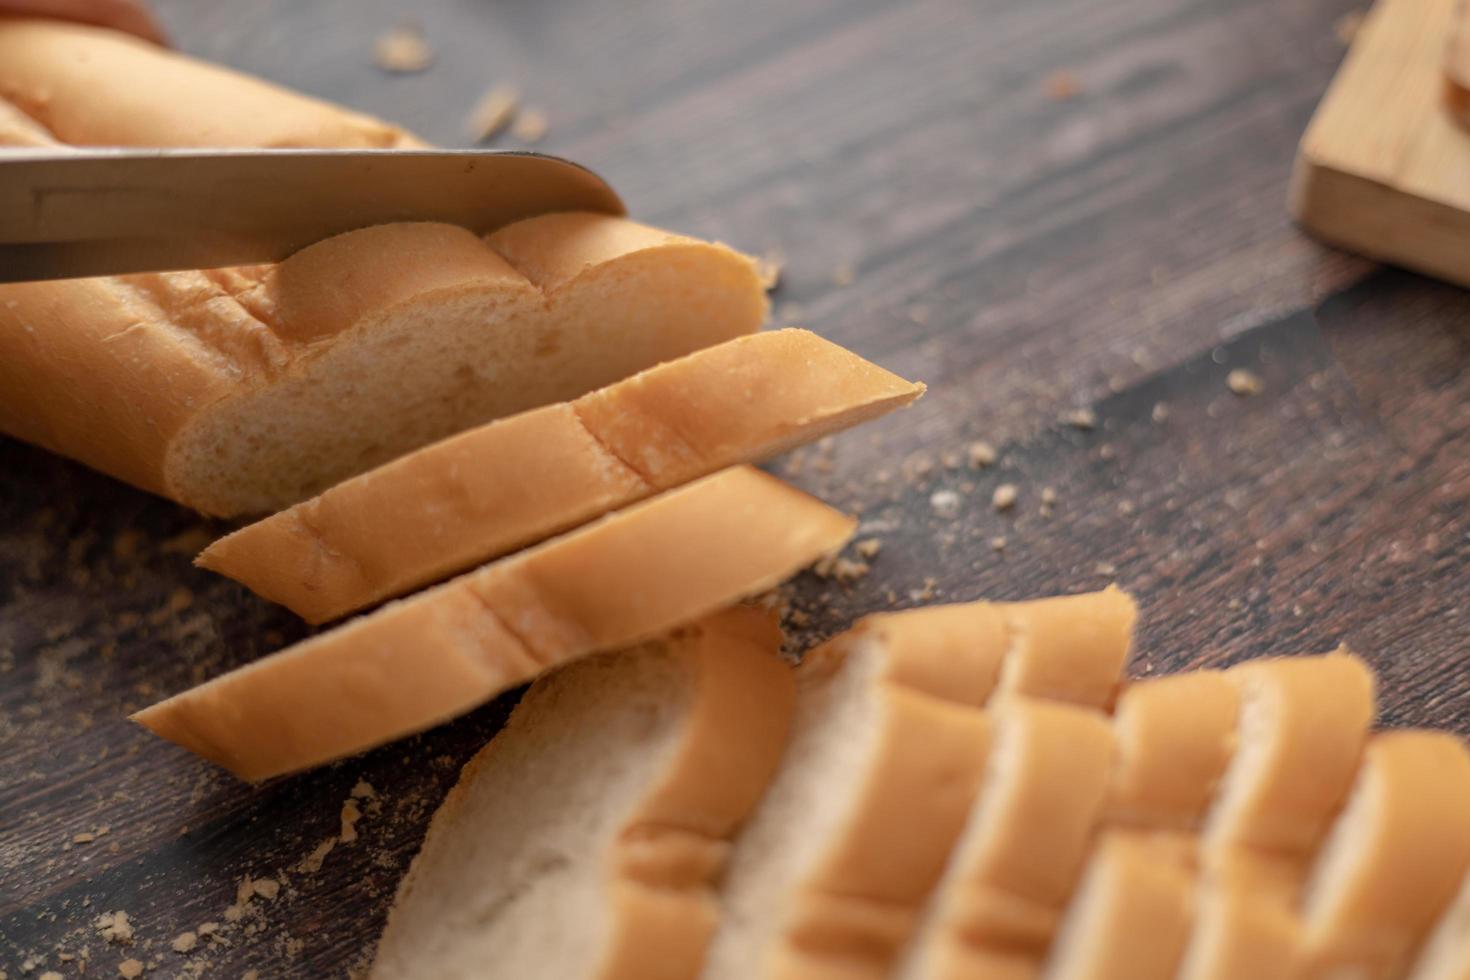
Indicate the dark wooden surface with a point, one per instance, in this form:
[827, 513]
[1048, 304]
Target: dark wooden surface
[1024, 255]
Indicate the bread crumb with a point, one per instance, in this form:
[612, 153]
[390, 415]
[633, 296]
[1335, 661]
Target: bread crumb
[250, 975]
[184, 942]
[51, 975]
[207, 928]
[1346, 27]
[404, 49]
[312, 863]
[945, 503]
[981, 454]
[998, 543]
[1061, 86]
[1244, 383]
[492, 113]
[1082, 418]
[83, 838]
[1160, 414]
[842, 569]
[1106, 568]
[950, 461]
[530, 126]
[844, 274]
[363, 790]
[869, 547]
[1004, 497]
[1126, 507]
[1048, 495]
[768, 268]
[115, 927]
[350, 815]
[266, 888]
[130, 969]
[1107, 451]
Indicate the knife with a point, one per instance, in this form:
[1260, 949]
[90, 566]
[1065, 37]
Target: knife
[96, 212]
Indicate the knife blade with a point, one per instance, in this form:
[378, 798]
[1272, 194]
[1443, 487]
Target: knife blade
[95, 212]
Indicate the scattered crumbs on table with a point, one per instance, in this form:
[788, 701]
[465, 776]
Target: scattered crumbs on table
[403, 50]
[1107, 451]
[1081, 418]
[1062, 86]
[128, 969]
[184, 942]
[869, 547]
[945, 503]
[1244, 383]
[1004, 497]
[1105, 568]
[312, 863]
[981, 454]
[1126, 507]
[1160, 414]
[530, 126]
[998, 543]
[115, 927]
[363, 790]
[950, 460]
[266, 888]
[494, 112]
[768, 268]
[1048, 495]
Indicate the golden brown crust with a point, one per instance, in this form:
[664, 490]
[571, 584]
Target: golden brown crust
[941, 665]
[1457, 65]
[513, 482]
[421, 660]
[1175, 737]
[1403, 854]
[90, 85]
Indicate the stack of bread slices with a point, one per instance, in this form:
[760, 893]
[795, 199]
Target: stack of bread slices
[526, 457]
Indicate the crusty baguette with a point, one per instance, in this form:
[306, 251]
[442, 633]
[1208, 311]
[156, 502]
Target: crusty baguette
[582, 843]
[1175, 736]
[513, 482]
[245, 390]
[1130, 917]
[1392, 861]
[414, 663]
[1017, 859]
[90, 85]
[888, 747]
[1302, 725]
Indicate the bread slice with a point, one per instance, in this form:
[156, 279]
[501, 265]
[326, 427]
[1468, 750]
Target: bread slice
[1176, 735]
[1301, 729]
[1023, 845]
[1131, 914]
[245, 390]
[887, 750]
[1392, 861]
[631, 576]
[513, 482]
[582, 842]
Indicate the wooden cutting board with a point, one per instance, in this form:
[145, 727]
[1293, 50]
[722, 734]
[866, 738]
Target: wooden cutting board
[1036, 208]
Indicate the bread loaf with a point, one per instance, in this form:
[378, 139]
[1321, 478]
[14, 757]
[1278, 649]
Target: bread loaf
[1457, 65]
[583, 841]
[245, 390]
[631, 576]
[502, 486]
[888, 748]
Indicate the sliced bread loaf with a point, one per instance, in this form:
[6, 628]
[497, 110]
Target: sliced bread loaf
[1302, 724]
[582, 842]
[888, 748]
[1017, 859]
[1393, 860]
[248, 389]
[631, 576]
[510, 483]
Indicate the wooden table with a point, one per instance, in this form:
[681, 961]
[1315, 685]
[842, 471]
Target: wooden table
[1045, 206]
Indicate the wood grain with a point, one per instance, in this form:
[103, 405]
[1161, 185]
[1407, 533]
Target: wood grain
[1122, 249]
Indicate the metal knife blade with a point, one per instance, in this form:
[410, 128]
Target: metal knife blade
[97, 212]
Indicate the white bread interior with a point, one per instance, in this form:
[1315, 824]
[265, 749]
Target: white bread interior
[437, 654]
[488, 491]
[582, 842]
